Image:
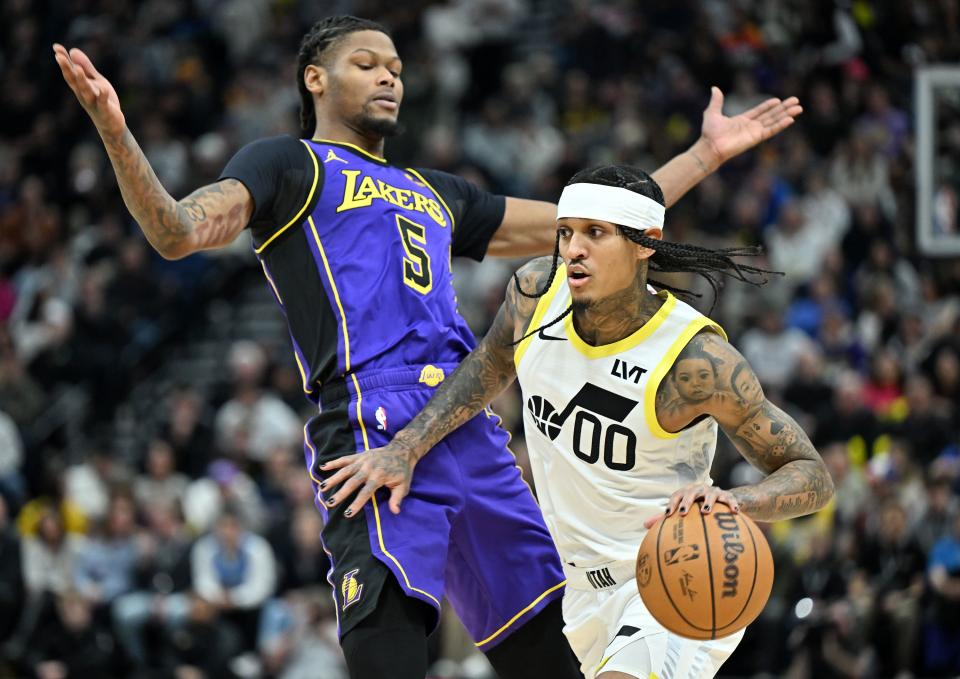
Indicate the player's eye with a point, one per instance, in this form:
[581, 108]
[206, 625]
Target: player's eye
[365, 67]
[564, 233]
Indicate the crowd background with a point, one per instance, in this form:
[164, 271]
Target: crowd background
[155, 515]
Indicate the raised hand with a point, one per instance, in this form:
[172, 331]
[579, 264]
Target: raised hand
[730, 136]
[94, 92]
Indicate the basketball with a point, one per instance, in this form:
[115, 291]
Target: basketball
[705, 576]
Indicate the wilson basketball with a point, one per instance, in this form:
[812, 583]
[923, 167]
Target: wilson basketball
[705, 576]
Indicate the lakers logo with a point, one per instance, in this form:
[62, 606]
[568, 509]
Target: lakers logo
[350, 589]
[431, 375]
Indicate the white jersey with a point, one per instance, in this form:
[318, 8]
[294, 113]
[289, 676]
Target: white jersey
[600, 459]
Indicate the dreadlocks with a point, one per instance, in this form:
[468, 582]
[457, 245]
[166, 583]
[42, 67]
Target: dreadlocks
[710, 264]
[313, 48]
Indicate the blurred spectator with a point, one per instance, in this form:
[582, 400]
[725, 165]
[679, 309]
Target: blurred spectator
[88, 484]
[773, 350]
[187, 432]
[894, 561]
[225, 486]
[163, 577]
[106, 563]
[11, 575]
[72, 644]
[12, 484]
[941, 631]
[234, 570]
[253, 421]
[161, 485]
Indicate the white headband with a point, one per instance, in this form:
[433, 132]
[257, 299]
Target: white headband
[610, 204]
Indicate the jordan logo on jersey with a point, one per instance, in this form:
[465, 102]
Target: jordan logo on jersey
[591, 436]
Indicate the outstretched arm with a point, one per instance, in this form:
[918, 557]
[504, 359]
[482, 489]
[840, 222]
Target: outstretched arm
[797, 480]
[209, 217]
[485, 373]
[528, 226]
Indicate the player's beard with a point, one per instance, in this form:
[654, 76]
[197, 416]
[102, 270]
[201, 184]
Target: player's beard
[375, 126]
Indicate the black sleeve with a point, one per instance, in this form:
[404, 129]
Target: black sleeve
[278, 172]
[477, 214]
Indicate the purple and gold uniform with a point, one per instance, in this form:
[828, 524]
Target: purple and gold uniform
[358, 253]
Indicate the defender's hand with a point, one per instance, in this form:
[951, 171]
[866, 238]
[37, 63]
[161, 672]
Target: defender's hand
[388, 467]
[94, 92]
[727, 137]
[684, 498]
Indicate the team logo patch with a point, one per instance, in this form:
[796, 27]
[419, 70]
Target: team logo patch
[350, 589]
[381, 416]
[432, 375]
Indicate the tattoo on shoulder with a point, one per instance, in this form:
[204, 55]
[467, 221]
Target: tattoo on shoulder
[709, 376]
[532, 277]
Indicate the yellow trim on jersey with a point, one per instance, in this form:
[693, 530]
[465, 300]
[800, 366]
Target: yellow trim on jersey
[559, 278]
[353, 146]
[453, 224]
[602, 663]
[296, 217]
[363, 428]
[336, 295]
[518, 615]
[376, 507]
[313, 459]
[627, 343]
[650, 397]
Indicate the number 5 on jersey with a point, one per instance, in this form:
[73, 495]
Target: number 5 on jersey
[416, 264]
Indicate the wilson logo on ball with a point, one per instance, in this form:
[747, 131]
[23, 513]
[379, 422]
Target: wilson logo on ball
[732, 549]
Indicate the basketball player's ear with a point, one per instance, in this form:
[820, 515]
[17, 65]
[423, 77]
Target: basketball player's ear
[315, 79]
[647, 253]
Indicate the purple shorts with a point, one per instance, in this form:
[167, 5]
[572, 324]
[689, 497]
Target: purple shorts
[470, 529]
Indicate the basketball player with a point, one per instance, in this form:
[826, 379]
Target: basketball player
[624, 392]
[358, 253]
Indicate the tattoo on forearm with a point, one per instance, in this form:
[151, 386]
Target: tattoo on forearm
[486, 372]
[165, 222]
[710, 377]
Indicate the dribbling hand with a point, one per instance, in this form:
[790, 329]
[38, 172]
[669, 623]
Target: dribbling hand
[683, 499]
[94, 92]
[388, 467]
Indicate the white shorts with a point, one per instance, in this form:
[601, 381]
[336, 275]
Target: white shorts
[601, 625]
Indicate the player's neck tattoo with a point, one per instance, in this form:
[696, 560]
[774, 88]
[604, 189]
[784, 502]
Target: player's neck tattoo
[612, 318]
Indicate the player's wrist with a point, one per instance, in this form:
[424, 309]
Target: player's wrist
[706, 155]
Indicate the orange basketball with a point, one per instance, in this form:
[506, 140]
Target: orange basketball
[705, 576]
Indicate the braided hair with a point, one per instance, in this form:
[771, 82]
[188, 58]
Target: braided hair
[313, 48]
[668, 257]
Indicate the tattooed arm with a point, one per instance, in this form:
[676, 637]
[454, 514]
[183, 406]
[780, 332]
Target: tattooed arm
[710, 377]
[209, 217]
[486, 372]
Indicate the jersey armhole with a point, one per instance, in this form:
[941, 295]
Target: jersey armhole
[299, 215]
[697, 325]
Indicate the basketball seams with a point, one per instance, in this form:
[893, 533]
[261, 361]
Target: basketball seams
[713, 599]
[666, 588]
[756, 566]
